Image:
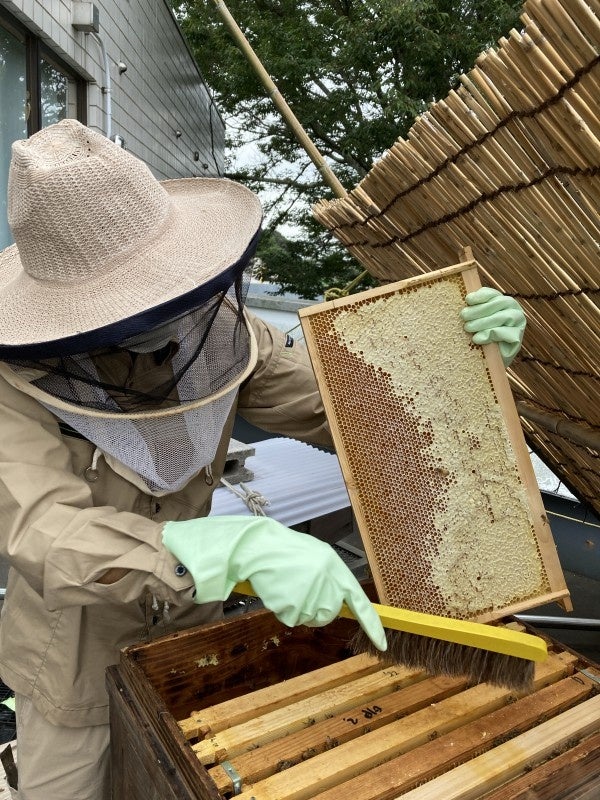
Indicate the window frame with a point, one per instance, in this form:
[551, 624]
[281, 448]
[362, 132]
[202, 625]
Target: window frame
[35, 51]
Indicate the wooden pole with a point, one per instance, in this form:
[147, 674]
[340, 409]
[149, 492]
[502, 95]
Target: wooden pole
[284, 109]
[575, 432]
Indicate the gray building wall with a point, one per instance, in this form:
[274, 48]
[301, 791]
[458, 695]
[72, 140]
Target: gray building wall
[162, 91]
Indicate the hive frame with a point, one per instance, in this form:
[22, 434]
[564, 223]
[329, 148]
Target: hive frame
[427, 576]
[394, 730]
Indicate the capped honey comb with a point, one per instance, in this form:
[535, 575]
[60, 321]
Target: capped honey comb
[432, 452]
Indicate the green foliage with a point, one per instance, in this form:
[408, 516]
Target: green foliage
[355, 73]
[291, 262]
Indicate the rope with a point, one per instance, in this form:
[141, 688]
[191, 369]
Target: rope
[336, 292]
[254, 500]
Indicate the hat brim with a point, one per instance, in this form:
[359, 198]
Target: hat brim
[207, 240]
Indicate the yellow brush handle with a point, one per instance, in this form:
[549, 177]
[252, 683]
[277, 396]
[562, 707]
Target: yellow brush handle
[474, 634]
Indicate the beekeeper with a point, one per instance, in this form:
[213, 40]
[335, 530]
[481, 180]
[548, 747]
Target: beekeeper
[125, 353]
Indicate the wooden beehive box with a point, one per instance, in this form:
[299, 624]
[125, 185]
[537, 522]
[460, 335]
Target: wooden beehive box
[249, 708]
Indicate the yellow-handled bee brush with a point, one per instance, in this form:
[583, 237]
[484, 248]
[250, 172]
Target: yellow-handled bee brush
[440, 645]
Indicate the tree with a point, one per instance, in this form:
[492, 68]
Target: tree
[355, 72]
[308, 264]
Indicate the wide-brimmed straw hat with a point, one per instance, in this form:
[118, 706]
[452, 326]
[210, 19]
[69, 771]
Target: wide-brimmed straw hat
[103, 250]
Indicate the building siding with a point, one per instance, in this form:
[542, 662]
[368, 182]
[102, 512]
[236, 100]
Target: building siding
[161, 92]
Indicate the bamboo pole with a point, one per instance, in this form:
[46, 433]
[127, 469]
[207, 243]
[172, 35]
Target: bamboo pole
[282, 106]
[576, 432]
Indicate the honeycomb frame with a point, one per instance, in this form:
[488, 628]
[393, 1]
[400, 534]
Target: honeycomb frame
[432, 452]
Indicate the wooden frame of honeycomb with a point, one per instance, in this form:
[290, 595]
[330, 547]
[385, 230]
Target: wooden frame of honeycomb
[432, 451]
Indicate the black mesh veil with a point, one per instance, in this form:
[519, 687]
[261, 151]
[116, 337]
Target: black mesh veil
[196, 355]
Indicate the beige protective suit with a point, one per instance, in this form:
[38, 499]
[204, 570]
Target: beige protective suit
[64, 525]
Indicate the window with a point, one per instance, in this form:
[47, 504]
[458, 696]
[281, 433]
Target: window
[36, 90]
[13, 120]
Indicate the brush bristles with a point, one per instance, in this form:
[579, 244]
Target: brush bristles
[438, 657]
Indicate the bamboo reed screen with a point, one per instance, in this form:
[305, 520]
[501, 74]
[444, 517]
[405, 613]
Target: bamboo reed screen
[508, 164]
[432, 452]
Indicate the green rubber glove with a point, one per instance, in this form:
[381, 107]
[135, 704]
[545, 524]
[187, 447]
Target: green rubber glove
[495, 317]
[299, 578]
